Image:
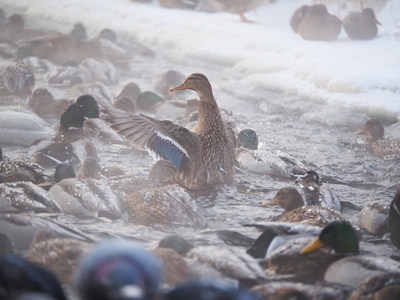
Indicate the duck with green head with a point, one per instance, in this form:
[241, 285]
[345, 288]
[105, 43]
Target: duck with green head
[203, 156]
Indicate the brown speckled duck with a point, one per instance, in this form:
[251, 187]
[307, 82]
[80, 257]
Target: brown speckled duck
[16, 80]
[361, 25]
[315, 23]
[377, 144]
[237, 6]
[202, 156]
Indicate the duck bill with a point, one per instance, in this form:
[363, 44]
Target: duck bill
[362, 131]
[316, 244]
[178, 87]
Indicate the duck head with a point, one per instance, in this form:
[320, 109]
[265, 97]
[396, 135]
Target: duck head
[339, 235]
[370, 13]
[74, 116]
[197, 82]
[89, 105]
[247, 138]
[373, 129]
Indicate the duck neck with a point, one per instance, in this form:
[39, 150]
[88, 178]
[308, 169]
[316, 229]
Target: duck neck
[209, 117]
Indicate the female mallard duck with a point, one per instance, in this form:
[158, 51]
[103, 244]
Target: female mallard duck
[238, 7]
[394, 219]
[361, 25]
[288, 198]
[45, 105]
[16, 80]
[202, 156]
[377, 144]
[315, 23]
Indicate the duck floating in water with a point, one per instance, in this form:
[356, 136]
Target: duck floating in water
[202, 156]
[315, 23]
[16, 80]
[378, 145]
[361, 25]
[238, 7]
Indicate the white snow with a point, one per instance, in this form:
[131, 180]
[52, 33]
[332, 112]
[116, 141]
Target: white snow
[360, 74]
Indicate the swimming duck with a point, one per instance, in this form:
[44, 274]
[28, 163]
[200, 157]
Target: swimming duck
[45, 105]
[378, 287]
[237, 6]
[126, 98]
[119, 269]
[69, 145]
[288, 198]
[314, 193]
[60, 49]
[274, 163]
[15, 29]
[18, 276]
[79, 31]
[16, 80]
[377, 144]
[315, 23]
[394, 219]
[19, 169]
[361, 25]
[202, 156]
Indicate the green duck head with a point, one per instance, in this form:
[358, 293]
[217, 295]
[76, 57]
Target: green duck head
[74, 116]
[248, 139]
[338, 235]
[89, 105]
[63, 171]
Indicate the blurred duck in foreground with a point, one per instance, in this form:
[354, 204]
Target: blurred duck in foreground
[377, 144]
[18, 276]
[202, 156]
[315, 23]
[238, 7]
[119, 269]
[361, 25]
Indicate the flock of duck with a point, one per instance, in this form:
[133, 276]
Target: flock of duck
[309, 252]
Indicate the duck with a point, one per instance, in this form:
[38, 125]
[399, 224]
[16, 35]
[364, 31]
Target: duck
[394, 219]
[203, 156]
[361, 25]
[19, 169]
[377, 144]
[274, 163]
[15, 29]
[378, 287]
[69, 145]
[314, 193]
[60, 49]
[182, 4]
[16, 80]
[27, 277]
[288, 198]
[46, 106]
[315, 23]
[238, 7]
[127, 97]
[119, 269]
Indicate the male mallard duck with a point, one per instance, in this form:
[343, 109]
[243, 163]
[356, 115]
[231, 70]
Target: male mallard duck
[127, 97]
[377, 144]
[394, 219]
[69, 145]
[361, 25]
[119, 269]
[237, 6]
[315, 23]
[275, 163]
[16, 80]
[202, 156]
[19, 276]
[314, 193]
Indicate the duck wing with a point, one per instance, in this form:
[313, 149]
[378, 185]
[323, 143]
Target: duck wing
[161, 139]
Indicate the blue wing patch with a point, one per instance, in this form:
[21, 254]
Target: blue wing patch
[168, 151]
